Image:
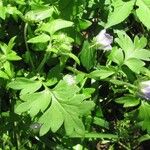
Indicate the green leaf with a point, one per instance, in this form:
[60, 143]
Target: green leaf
[84, 24]
[88, 91]
[12, 56]
[54, 75]
[36, 102]
[25, 85]
[116, 55]
[86, 107]
[55, 25]
[140, 43]
[134, 64]
[11, 44]
[62, 88]
[39, 39]
[101, 122]
[2, 12]
[3, 75]
[125, 42]
[8, 69]
[74, 57]
[120, 12]
[73, 125]
[133, 52]
[142, 54]
[144, 116]
[9, 54]
[50, 120]
[102, 73]
[128, 101]
[68, 104]
[143, 11]
[39, 14]
[144, 138]
[87, 56]
[3, 47]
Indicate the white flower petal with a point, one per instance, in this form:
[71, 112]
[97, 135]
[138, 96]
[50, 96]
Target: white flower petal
[104, 40]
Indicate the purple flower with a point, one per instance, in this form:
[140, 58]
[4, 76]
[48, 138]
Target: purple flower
[104, 40]
[145, 90]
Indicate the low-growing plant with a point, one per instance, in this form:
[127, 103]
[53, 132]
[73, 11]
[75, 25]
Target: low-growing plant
[74, 74]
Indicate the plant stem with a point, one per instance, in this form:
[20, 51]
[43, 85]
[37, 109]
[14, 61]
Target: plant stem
[74, 70]
[124, 146]
[46, 55]
[26, 44]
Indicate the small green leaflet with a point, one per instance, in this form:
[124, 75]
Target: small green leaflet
[8, 53]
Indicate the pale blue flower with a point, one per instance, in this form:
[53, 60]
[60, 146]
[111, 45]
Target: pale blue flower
[104, 40]
[145, 89]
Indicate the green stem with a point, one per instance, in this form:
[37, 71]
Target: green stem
[124, 146]
[46, 56]
[75, 71]
[26, 44]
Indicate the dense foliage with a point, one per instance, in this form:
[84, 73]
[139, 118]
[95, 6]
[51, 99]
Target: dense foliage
[74, 74]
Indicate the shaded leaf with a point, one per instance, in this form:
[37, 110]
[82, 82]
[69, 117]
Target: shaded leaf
[87, 56]
[128, 101]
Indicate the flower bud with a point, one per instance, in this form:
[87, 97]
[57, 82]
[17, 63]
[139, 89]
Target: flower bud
[104, 40]
[144, 91]
[35, 127]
